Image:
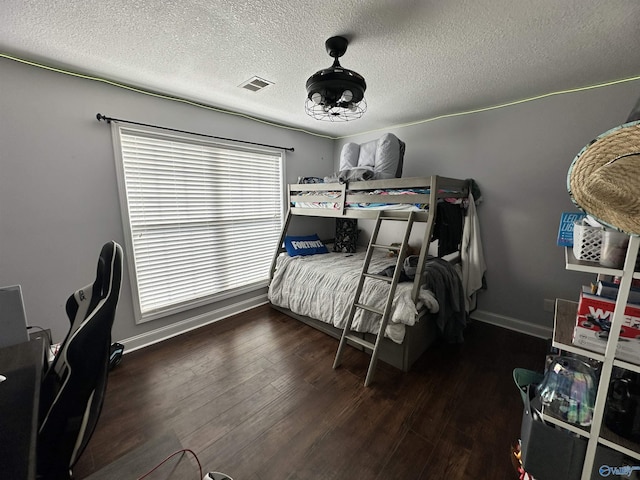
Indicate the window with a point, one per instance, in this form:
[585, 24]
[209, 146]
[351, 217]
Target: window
[201, 219]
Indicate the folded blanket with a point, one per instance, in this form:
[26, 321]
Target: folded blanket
[356, 174]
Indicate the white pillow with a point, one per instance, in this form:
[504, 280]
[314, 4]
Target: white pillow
[349, 156]
[387, 156]
[367, 156]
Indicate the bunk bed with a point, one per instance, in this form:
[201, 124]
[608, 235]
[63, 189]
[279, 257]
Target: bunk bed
[318, 289]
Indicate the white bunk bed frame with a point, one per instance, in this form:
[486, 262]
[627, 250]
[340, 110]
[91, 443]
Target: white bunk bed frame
[421, 335]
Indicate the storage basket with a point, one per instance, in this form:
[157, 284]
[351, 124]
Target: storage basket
[552, 453]
[523, 378]
[587, 242]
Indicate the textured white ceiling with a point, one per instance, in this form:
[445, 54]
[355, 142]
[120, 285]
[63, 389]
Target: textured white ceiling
[420, 58]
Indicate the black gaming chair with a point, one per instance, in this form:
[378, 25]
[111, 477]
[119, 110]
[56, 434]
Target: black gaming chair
[74, 385]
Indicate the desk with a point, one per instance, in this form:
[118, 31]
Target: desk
[22, 364]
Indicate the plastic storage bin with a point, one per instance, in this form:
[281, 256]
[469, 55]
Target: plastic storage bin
[568, 390]
[614, 249]
[587, 242]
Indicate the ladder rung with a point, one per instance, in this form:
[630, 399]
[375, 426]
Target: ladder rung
[369, 308]
[360, 341]
[379, 277]
[393, 248]
[395, 218]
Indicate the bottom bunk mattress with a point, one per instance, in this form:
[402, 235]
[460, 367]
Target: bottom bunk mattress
[322, 287]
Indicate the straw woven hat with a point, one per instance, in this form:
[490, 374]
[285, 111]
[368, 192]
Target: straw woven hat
[604, 178]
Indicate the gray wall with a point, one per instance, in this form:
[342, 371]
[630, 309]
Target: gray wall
[59, 199]
[519, 156]
[58, 191]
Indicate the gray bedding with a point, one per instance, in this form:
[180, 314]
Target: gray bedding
[322, 287]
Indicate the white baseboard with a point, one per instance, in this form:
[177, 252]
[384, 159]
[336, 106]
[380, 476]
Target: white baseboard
[184, 326]
[512, 324]
[154, 336]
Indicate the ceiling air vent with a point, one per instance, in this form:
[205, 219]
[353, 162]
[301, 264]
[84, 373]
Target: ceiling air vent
[256, 83]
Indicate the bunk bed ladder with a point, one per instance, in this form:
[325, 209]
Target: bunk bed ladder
[401, 251]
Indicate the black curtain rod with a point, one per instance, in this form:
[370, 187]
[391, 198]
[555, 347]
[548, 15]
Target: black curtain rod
[99, 116]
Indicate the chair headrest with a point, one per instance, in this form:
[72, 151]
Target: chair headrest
[108, 268]
[106, 284]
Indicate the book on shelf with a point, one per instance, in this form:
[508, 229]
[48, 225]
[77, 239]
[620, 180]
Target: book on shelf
[610, 290]
[628, 349]
[593, 323]
[565, 231]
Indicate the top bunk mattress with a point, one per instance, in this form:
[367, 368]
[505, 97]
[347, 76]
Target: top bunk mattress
[323, 286]
[411, 199]
[406, 194]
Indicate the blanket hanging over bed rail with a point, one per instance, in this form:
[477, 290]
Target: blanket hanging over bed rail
[444, 281]
[441, 278]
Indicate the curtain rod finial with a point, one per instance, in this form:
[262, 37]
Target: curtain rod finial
[99, 116]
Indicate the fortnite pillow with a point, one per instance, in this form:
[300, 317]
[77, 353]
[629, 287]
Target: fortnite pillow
[304, 245]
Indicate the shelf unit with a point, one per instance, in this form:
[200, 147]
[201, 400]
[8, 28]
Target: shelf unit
[564, 321]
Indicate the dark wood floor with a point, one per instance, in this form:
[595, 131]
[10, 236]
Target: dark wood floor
[255, 397]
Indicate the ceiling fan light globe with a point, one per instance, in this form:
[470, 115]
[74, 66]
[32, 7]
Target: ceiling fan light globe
[347, 96]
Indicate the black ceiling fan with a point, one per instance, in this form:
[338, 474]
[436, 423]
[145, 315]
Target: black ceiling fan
[336, 93]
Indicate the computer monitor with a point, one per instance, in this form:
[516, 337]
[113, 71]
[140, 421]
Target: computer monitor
[13, 318]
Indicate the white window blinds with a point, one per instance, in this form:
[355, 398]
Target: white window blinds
[204, 218]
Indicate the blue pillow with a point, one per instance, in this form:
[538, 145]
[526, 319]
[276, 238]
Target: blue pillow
[304, 245]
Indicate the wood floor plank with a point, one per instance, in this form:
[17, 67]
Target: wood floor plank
[276, 453]
[255, 396]
[450, 456]
[408, 459]
[229, 407]
[225, 449]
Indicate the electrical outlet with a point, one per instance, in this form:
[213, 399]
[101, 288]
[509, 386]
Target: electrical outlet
[549, 305]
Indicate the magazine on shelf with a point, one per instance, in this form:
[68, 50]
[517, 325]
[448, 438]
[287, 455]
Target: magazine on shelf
[565, 231]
